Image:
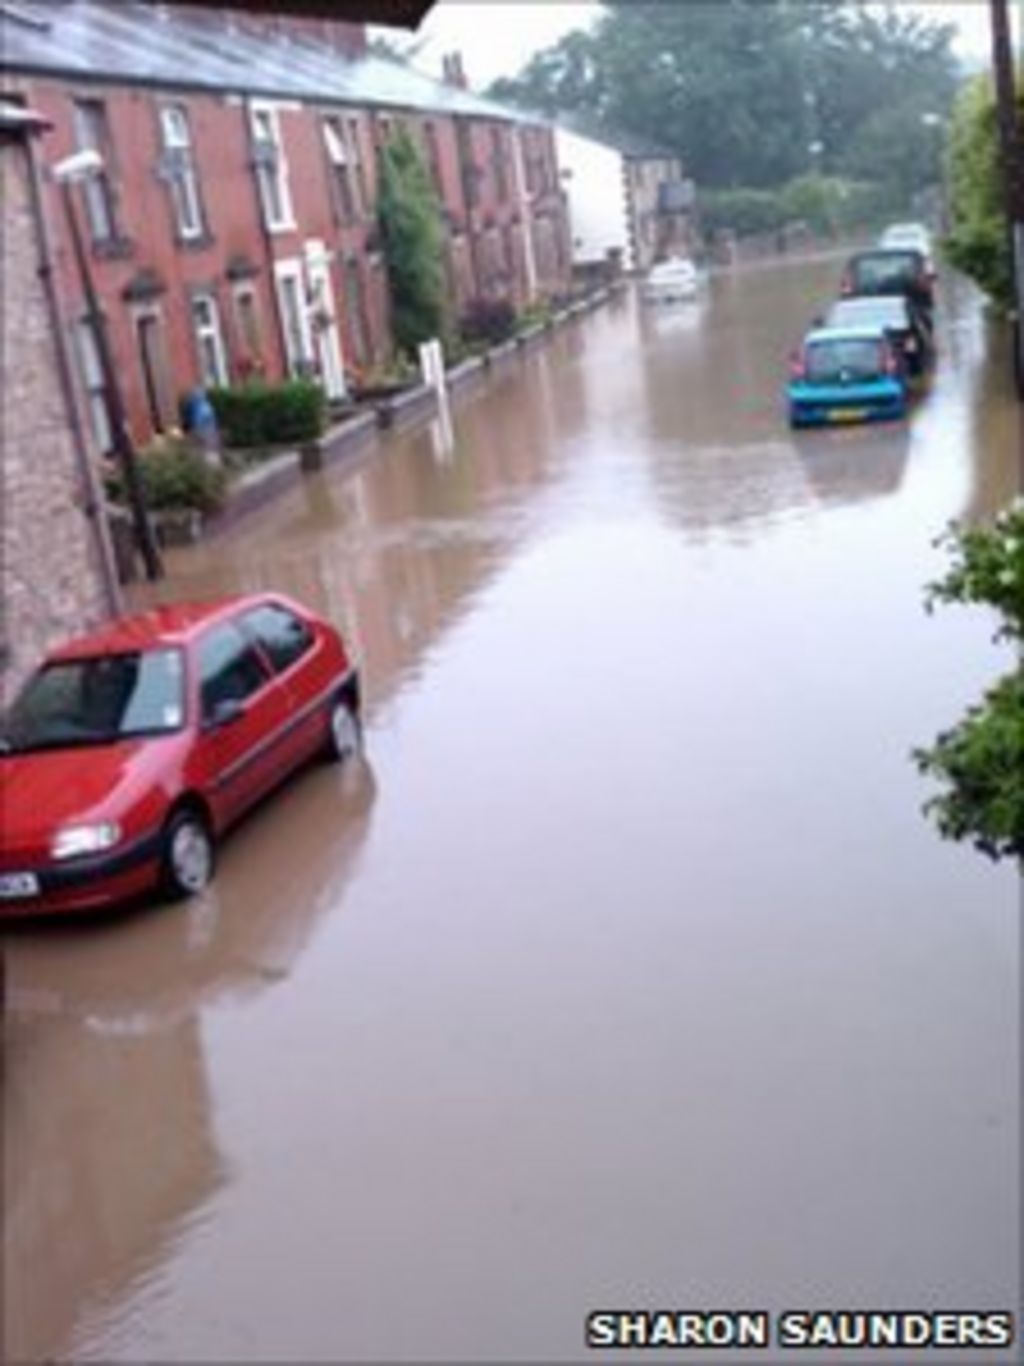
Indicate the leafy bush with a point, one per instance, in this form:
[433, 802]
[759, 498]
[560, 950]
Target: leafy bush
[744, 212]
[825, 203]
[981, 761]
[174, 476]
[262, 414]
[488, 320]
[409, 223]
[978, 242]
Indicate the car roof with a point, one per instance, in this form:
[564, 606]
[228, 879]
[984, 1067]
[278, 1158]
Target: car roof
[167, 624]
[866, 303]
[885, 251]
[855, 332]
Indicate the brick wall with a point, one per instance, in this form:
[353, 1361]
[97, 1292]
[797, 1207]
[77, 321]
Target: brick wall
[52, 584]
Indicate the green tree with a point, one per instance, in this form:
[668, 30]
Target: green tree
[980, 761]
[742, 89]
[978, 241]
[410, 229]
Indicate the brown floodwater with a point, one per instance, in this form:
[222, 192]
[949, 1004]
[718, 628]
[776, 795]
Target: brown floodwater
[626, 972]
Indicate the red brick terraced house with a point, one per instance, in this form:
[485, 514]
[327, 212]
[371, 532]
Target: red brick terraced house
[232, 230]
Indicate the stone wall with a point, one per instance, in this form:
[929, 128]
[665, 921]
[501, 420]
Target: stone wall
[52, 583]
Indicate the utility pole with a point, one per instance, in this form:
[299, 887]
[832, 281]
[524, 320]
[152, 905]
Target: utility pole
[1011, 142]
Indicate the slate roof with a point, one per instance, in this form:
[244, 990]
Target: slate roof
[131, 43]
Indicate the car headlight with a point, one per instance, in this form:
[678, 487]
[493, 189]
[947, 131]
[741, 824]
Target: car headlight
[85, 839]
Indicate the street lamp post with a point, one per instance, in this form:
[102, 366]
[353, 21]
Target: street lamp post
[67, 173]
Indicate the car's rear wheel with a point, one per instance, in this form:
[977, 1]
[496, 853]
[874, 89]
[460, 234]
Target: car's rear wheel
[345, 740]
[187, 862]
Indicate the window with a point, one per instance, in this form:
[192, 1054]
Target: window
[180, 172]
[92, 134]
[343, 171]
[247, 319]
[229, 669]
[434, 159]
[355, 311]
[92, 383]
[294, 317]
[213, 370]
[355, 148]
[284, 637]
[271, 169]
[498, 165]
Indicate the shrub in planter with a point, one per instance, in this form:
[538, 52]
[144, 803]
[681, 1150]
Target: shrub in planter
[175, 477]
[261, 414]
[491, 321]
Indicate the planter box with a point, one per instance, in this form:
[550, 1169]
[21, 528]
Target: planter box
[348, 436]
[530, 335]
[406, 407]
[258, 486]
[177, 526]
[466, 371]
[503, 350]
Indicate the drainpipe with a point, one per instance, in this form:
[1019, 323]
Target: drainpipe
[94, 500]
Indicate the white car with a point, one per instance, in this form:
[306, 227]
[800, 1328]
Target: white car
[676, 278]
[910, 236]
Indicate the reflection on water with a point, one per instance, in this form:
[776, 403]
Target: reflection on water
[631, 970]
[111, 1157]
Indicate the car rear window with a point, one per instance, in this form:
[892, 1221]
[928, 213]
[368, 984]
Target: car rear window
[893, 269]
[97, 701]
[880, 312]
[845, 358]
[284, 636]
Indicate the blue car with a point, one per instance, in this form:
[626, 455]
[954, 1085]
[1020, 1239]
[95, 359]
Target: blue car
[846, 374]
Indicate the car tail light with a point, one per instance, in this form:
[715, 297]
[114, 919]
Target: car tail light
[846, 285]
[797, 365]
[890, 361]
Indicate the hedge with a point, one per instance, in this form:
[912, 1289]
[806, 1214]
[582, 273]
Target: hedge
[259, 414]
[174, 475]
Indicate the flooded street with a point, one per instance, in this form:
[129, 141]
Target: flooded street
[626, 972]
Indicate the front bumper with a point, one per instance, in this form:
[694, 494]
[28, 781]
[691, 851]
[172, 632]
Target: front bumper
[91, 882]
[820, 405]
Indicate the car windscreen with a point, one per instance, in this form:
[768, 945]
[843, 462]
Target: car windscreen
[893, 270]
[844, 358]
[96, 701]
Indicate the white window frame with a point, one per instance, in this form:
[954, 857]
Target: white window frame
[291, 271]
[93, 387]
[209, 332]
[177, 139]
[340, 155]
[96, 190]
[275, 173]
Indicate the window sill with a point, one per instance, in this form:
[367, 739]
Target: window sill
[278, 229]
[113, 248]
[199, 242]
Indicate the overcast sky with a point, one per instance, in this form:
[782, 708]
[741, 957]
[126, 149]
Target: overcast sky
[498, 37]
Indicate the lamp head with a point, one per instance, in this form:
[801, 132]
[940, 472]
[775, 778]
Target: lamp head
[79, 166]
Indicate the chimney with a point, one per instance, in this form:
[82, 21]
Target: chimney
[452, 72]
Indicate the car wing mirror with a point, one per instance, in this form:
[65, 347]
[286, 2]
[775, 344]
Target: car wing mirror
[224, 713]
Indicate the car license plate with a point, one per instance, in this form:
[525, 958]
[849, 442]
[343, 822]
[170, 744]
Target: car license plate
[14, 886]
[847, 414]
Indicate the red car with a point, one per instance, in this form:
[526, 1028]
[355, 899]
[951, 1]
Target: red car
[131, 750]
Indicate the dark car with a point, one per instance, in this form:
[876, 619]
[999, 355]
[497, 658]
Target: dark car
[901, 270]
[906, 326]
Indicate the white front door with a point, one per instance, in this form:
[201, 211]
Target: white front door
[324, 321]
